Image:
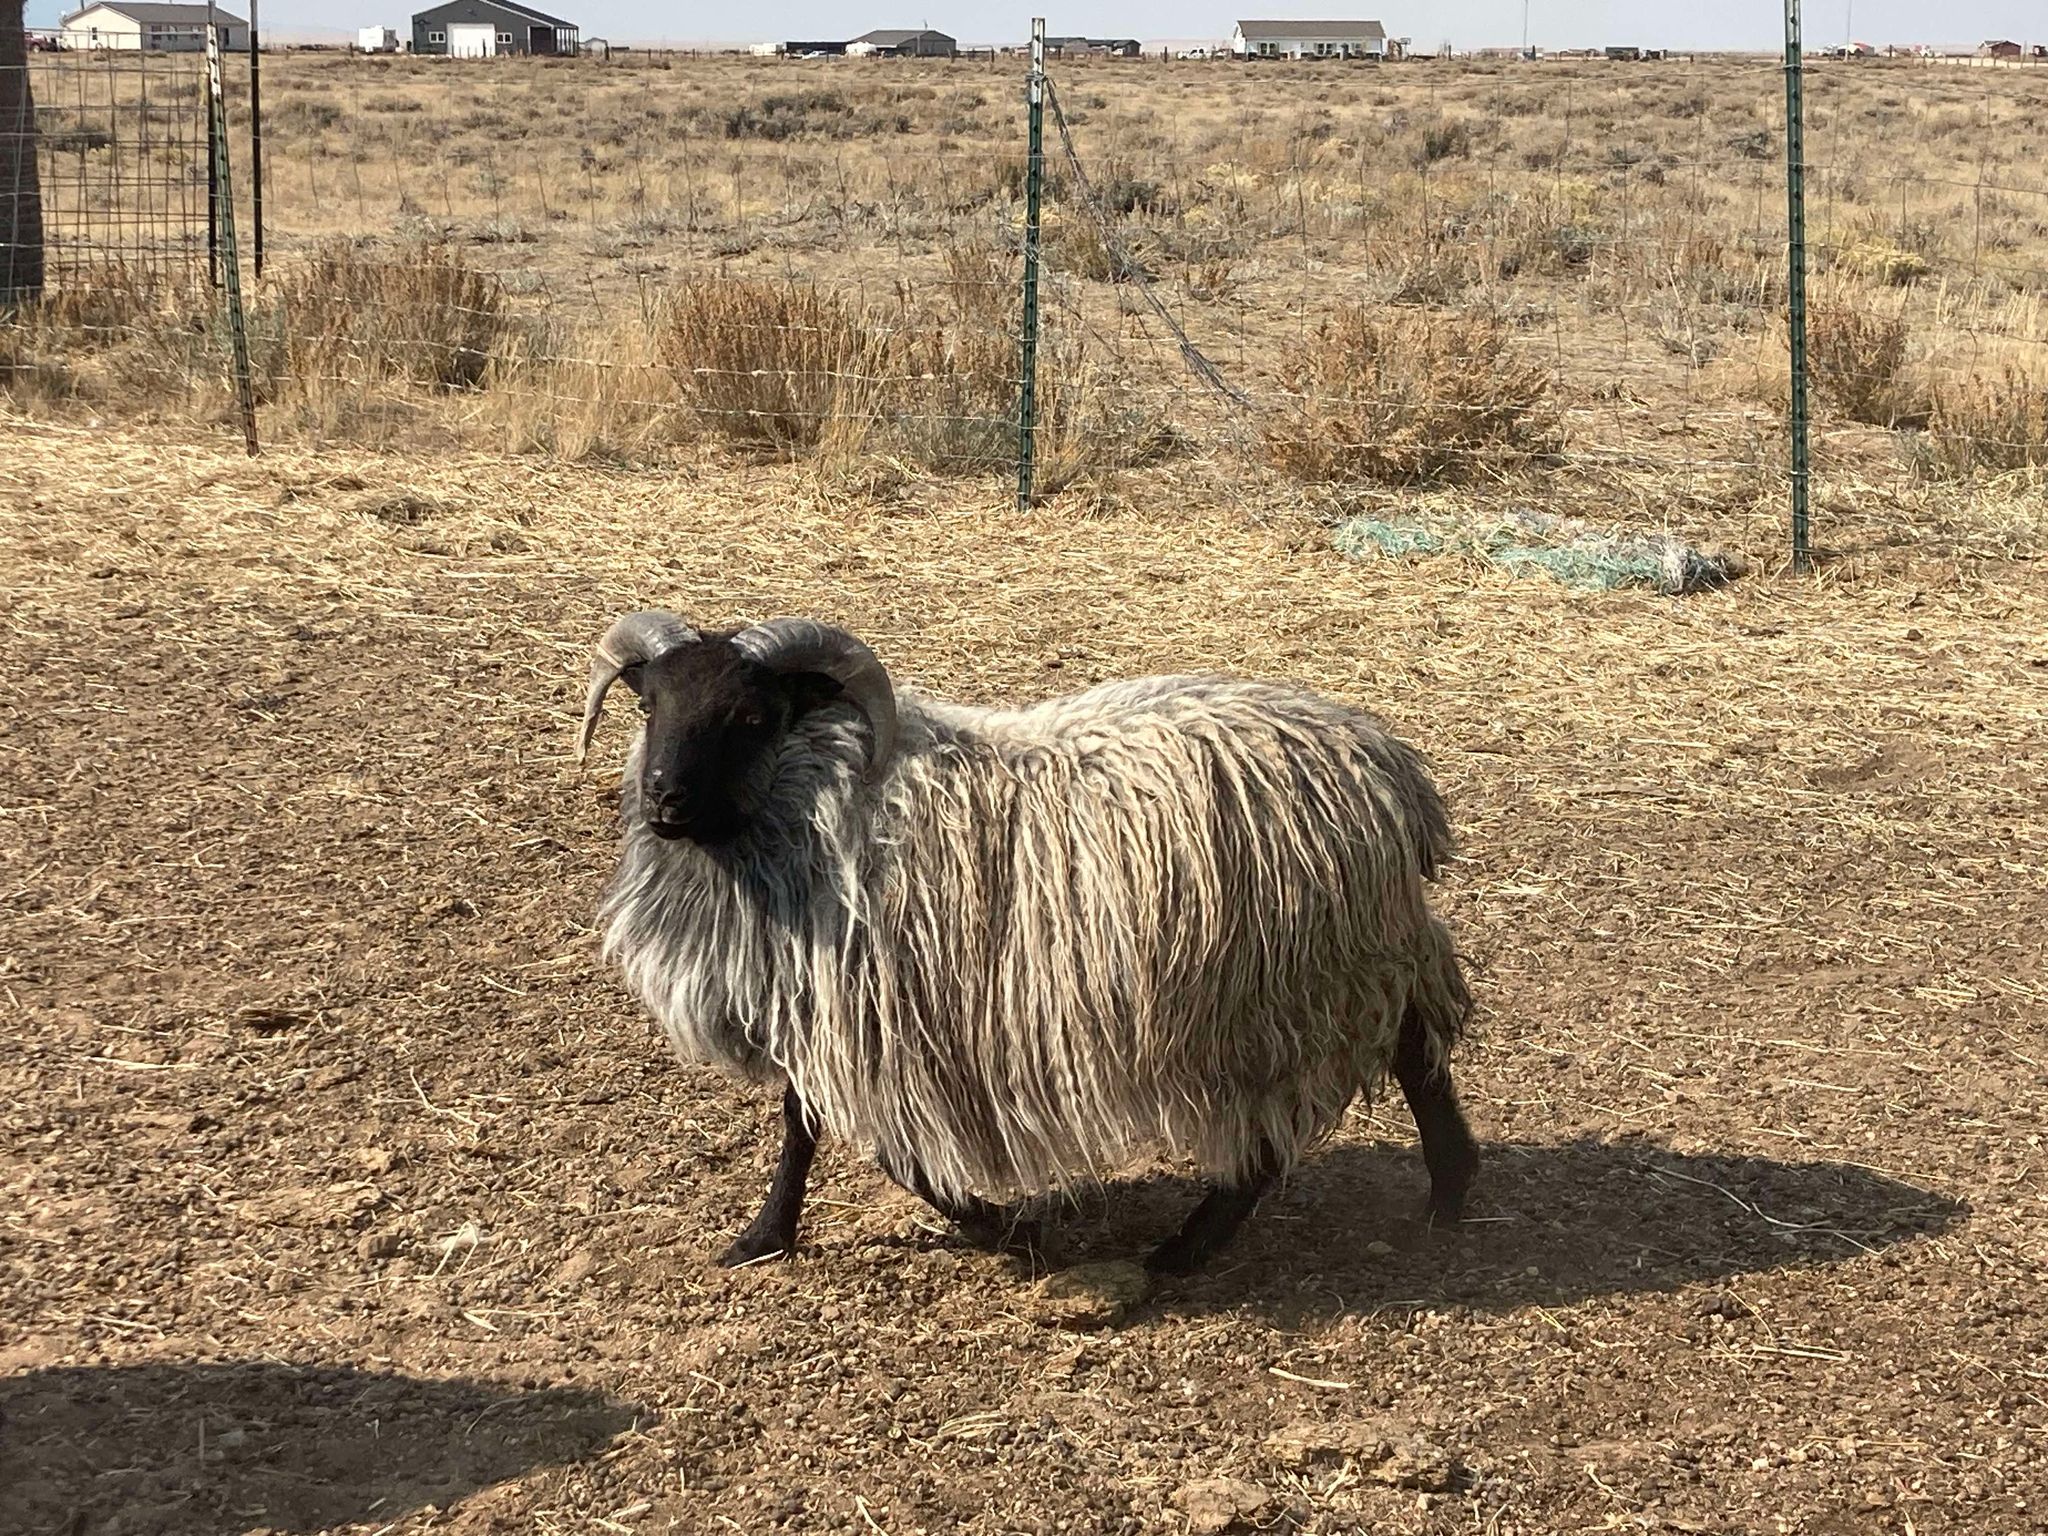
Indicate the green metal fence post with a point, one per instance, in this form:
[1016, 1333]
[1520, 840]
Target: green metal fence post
[1034, 177]
[1795, 279]
[224, 214]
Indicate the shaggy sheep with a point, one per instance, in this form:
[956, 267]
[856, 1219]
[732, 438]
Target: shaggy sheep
[1010, 949]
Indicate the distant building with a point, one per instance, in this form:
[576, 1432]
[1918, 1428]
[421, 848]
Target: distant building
[376, 40]
[1100, 47]
[2002, 48]
[482, 29]
[1309, 40]
[922, 43]
[1622, 51]
[814, 50]
[151, 28]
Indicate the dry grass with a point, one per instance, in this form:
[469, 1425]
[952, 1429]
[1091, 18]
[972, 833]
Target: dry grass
[346, 317]
[1627, 223]
[1858, 359]
[764, 364]
[1996, 423]
[1405, 399]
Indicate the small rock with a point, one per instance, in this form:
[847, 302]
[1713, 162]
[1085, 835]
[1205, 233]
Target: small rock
[1385, 1452]
[1091, 1295]
[1414, 1464]
[1380, 1250]
[378, 1245]
[575, 1269]
[231, 1439]
[1217, 1503]
[1725, 1305]
[376, 1159]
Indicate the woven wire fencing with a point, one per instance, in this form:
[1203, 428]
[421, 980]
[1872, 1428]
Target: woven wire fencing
[1554, 286]
[115, 145]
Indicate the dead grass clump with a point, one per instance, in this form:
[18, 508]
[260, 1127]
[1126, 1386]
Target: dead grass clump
[1884, 261]
[1448, 138]
[790, 115]
[1997, 423]
[1858, 357]
[761, 363]
[1073, 242]
[1409, 399]
[930, 383]
[350, 314]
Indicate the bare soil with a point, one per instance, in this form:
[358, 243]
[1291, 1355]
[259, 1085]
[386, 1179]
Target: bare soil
[344, 1191]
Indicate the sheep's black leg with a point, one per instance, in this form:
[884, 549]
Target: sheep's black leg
[1215, 1221]
[1448, 1149]
[985, 1223]
[774, 1230]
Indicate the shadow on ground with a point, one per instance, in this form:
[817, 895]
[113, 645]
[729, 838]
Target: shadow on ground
[1548, 1224]
[177, 1449]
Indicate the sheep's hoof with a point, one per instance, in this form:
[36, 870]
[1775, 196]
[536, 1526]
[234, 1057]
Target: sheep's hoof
[1448, 1189]
[752, 1247]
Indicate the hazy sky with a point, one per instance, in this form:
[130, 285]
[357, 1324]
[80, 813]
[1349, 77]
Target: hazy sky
[1463, 23]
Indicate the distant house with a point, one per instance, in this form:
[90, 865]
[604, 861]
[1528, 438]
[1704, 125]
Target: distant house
[799, 50]
[921, 43]
[1100, 47]
[151, 28]
[2001, 48]
[1623, 51]
[481, 29]
[1309, 40]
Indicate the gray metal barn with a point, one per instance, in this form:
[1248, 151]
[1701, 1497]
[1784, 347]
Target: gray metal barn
[480, 29]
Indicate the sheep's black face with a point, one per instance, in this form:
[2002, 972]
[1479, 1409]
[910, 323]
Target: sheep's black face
[714, 720]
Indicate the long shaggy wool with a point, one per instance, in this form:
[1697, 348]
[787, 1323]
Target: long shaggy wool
[1179, 913]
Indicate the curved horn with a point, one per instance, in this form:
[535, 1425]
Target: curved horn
[636, 638]
[804, 645]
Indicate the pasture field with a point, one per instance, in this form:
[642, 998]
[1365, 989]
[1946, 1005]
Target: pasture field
[342, 1190]
[1558, 284]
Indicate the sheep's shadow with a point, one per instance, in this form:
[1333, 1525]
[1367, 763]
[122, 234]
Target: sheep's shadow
[177, 1448]
[1546, 1224]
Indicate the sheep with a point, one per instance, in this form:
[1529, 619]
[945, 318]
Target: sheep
[1012, 949]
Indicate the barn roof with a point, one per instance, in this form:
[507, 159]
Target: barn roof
[511, 6]
[151, 10]
[890, 37]
[1314, 31]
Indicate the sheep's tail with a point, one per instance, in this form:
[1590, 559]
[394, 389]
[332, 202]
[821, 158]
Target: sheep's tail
[1406, 774]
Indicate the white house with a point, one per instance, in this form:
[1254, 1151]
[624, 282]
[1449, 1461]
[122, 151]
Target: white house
[150, 27]
[1309, 40]
[376, 40]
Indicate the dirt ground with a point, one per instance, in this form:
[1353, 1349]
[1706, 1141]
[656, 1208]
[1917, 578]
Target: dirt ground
[341, 1189]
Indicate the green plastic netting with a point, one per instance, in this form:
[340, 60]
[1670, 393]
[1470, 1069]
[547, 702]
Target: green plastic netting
[1563, 548]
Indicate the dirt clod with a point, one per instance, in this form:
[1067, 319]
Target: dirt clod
[1218, 1503]
[1091, 1295]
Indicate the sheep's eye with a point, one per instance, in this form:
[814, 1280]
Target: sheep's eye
[751, 720]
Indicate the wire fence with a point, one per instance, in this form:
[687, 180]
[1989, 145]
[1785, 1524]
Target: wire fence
[1558, 284]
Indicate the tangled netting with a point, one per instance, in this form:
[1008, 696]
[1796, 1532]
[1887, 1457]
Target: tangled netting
[1573, 552]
